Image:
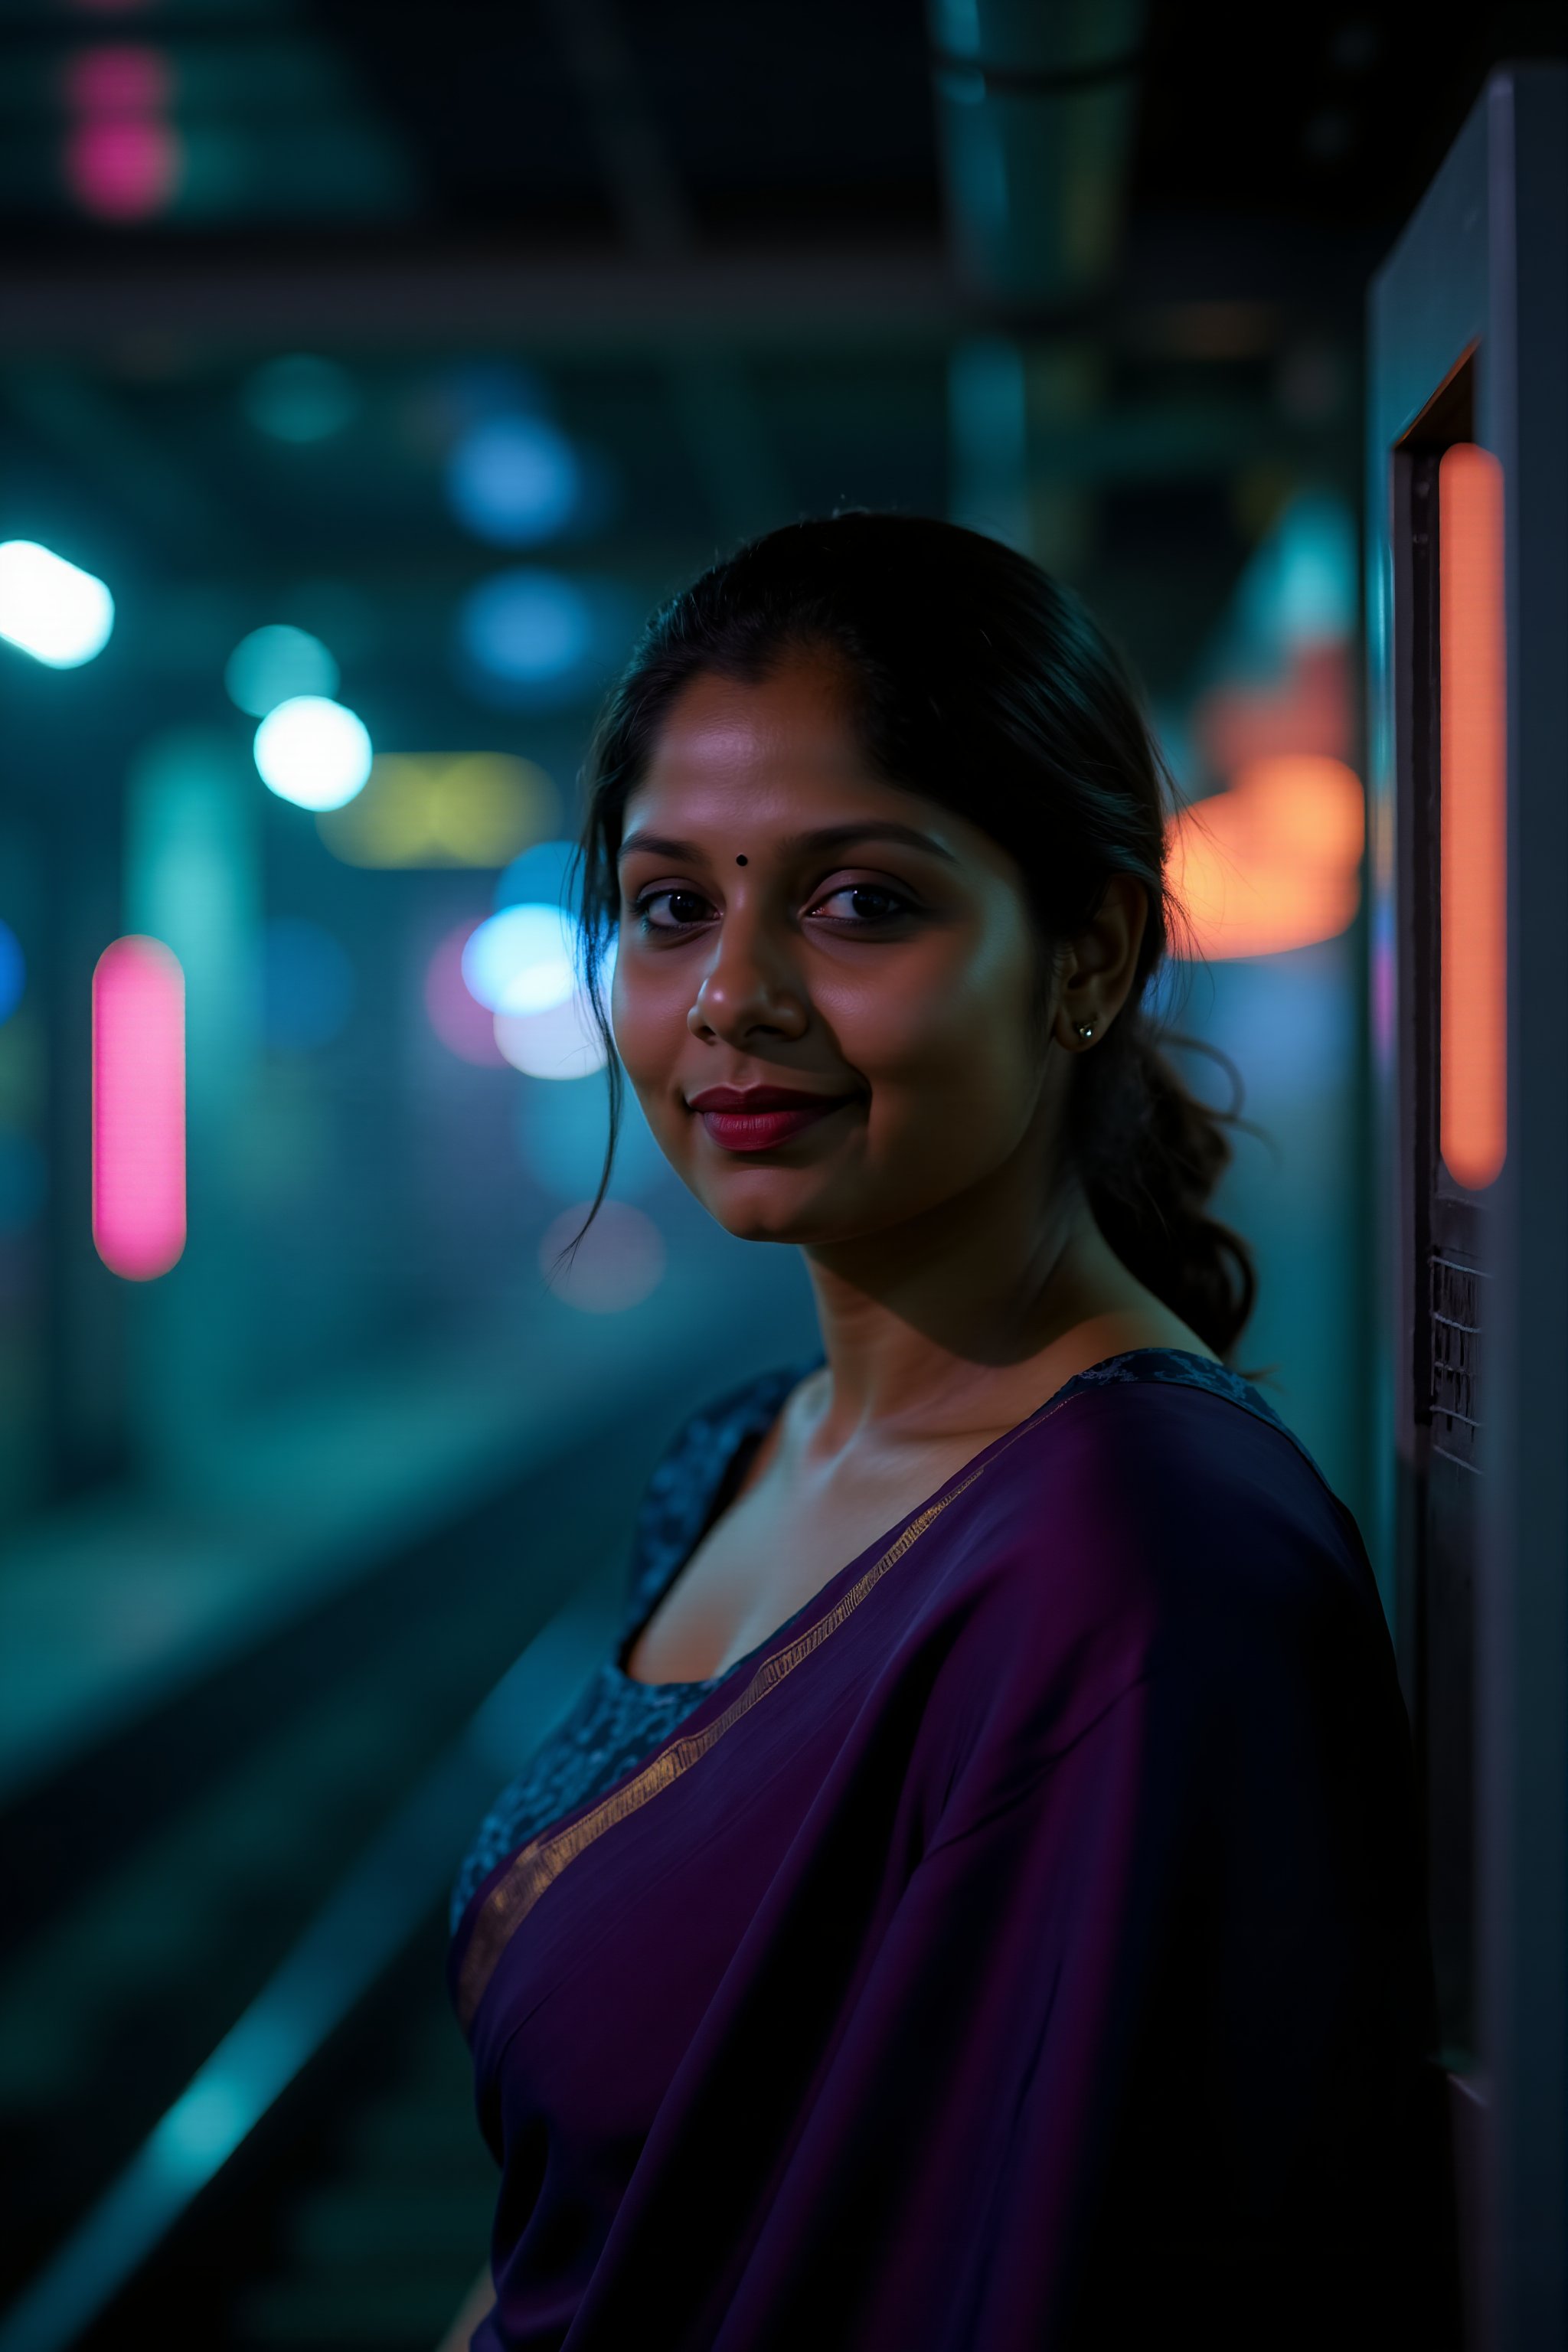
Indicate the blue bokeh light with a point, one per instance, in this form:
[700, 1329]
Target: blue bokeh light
[541, 876]
[560, 1127]
[13, 972]
[528, 627]
[514, 480]
[307, 984]
[535, 640]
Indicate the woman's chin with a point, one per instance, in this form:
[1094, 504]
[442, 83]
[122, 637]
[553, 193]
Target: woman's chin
[773, 1205]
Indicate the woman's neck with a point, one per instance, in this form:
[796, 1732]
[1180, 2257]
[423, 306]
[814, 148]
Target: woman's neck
[937, 1325]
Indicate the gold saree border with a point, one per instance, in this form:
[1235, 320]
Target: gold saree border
[539, 1864]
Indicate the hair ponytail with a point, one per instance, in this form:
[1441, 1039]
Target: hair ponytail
[985, 685]
[1150, 1154]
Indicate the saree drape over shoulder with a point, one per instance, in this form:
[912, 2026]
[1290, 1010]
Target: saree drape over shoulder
[1021, 1949]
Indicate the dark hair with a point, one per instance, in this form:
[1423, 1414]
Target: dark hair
[984, 684]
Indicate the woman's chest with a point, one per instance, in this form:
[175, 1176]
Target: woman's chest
[786, 1830]
[777, 1546]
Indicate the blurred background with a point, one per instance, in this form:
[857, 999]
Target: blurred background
[367, 372]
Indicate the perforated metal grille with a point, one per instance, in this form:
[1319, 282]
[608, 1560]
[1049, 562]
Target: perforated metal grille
[1454, 1322]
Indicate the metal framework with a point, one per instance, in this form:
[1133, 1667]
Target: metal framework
[1467, 344]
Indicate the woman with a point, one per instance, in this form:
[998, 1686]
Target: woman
[977, 1907]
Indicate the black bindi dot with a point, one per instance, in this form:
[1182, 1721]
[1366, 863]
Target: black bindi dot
[740, 861]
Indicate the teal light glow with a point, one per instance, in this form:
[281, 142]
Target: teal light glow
[51, 609]
[300, 398]
[24, 1180]
[307, 984]
[542, 877]
[313, 752]
[274, 663]
[1300, 589]
[204, 2127]
[560, 1133]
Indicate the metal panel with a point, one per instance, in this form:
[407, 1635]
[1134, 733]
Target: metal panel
[1471, 1528]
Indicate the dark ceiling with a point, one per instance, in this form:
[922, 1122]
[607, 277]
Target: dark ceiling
[784, 121]
[718, 226]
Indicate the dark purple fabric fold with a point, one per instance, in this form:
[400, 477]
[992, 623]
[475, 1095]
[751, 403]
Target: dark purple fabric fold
[1027, 1953]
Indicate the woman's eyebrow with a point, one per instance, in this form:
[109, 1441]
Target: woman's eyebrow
[839, 836]
[659, 845]
[832, 837]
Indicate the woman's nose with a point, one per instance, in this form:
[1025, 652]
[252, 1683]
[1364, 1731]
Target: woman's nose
[748, 991]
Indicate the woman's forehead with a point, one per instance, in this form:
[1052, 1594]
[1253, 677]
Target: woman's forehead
[782, 752]
[795, 721]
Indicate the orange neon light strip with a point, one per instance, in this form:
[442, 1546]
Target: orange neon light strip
[1473, 815]
[1273, 862]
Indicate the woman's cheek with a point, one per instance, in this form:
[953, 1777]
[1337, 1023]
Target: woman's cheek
[640, 1027]
[936, 1031]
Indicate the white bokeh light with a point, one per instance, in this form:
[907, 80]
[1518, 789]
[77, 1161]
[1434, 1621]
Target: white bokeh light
[522, 960]
[313, 752]
[51, 609]
[561, 1043]
[619, 1261]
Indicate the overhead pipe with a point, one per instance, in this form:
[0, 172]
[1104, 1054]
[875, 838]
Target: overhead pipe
[1035, 104]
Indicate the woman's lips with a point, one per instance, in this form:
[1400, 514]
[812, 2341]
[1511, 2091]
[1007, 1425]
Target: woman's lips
[757, 1118]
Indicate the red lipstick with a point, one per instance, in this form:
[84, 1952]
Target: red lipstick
[756, 1118]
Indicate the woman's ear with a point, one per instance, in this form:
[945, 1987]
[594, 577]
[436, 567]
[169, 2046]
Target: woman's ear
[1101, 965]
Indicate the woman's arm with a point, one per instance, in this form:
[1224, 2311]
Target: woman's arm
[476, 2303]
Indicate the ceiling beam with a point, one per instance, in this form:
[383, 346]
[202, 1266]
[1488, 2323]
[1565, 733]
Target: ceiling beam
[249, 301]
[724, 433]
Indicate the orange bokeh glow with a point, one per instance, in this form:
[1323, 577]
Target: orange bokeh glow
[1473, 1071]
[1274, 862]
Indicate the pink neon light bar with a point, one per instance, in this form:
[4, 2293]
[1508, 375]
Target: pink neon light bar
[127, 79]
[138, 1108]
[122, 168]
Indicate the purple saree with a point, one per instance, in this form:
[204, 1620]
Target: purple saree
[1022, 1951]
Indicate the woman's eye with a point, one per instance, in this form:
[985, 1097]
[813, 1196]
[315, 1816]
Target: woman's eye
[672, 910]
[862, 902]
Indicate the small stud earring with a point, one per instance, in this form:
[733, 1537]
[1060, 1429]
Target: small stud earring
[1085, 1028]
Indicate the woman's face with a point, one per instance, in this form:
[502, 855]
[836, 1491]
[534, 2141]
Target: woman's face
[828, 991]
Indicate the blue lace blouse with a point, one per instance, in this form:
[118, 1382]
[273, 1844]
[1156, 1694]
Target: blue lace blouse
[616, 1722]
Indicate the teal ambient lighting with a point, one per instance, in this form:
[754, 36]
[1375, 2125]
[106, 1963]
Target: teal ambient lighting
[307, 984]
[300, 398]
[540, 876]
[275, 663]
[364, 1924]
